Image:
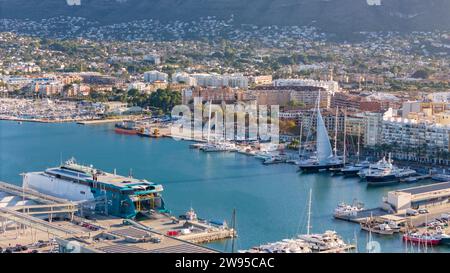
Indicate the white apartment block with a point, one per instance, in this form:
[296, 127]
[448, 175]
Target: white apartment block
[414, 134]
[183, 77]
[153, 58]
[373, 128]
[142, 87]
[153, 76]
[331, 86]
[216, 80]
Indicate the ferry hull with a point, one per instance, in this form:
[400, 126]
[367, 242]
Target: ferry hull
[58, 187]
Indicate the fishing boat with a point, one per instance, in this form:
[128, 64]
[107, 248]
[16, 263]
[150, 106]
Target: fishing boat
[422, 238]
[126, 127]
[378, 228]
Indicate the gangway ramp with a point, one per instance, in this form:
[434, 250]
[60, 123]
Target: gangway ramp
[30, 194]
[36, 223]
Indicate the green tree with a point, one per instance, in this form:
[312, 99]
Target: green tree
[165, 99]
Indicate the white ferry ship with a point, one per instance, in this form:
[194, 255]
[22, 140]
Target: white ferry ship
[108, 193]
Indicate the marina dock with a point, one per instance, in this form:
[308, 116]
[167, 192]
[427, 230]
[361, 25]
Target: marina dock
[99, 121]
[415, 178]
[363, 215]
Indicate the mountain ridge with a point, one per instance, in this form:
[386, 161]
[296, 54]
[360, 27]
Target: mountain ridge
[328, 15]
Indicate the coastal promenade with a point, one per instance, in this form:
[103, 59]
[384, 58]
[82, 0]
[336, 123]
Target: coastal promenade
[79, 121]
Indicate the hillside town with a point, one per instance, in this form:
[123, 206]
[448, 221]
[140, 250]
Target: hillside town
[130, 126]
[392, 91]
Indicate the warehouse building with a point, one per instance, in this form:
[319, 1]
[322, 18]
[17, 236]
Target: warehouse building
[419, 197]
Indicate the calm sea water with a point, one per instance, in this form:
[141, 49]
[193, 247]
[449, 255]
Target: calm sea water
[271, 201]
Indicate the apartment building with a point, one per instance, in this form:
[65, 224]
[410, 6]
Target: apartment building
[282, 95]
[330, 86]
[412, 134]
[216, 80]
[153, 76]
[214, 94]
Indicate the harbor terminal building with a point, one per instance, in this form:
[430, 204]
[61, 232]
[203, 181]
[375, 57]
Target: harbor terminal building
[418, 197]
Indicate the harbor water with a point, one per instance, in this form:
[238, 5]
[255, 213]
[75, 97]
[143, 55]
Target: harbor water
[270, 201]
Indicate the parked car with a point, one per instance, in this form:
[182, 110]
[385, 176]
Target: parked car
[423, 211]
[412, 212]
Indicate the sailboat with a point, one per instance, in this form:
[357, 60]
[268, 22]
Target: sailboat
[216, 146]
[353, 169]
[324, 159]
[329, 241]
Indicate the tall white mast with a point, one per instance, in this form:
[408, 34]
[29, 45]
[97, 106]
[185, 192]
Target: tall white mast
[359, 140]
[345, 135]
[336, 131]
[209, 120]
[308, 227]
[300, 141]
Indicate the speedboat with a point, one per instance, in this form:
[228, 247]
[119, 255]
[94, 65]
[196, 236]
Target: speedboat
[274, 160]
